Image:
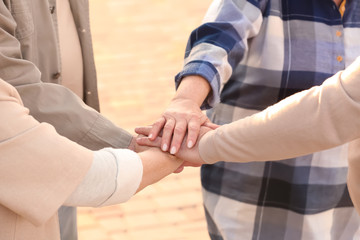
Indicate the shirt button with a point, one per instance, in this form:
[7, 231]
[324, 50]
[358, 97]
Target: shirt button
[339, 58]
[338, 33]
[52, 9]
[56, 75]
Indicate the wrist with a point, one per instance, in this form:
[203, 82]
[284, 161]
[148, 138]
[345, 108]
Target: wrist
[194, 87]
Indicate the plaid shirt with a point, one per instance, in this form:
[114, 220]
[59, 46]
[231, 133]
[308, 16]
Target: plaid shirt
[255, 53]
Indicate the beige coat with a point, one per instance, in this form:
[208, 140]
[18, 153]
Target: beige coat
[39, 169]
[320, 118]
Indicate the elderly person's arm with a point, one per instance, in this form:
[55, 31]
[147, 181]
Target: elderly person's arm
[41, 170]
[313, 120]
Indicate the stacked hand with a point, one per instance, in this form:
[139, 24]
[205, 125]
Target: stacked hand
[182, 118]
[182, 124]
[191, 156]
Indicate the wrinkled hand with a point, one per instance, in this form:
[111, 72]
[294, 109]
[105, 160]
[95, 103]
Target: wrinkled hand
[182, 117]
[191, 156]
[134, 146]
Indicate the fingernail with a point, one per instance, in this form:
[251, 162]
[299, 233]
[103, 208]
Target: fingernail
[164, 147]
[190, 144]
[173, 150]
[150, 136]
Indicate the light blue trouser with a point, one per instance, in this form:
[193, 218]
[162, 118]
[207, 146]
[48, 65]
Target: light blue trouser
[68, 223]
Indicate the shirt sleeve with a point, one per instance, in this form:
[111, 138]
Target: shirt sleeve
[313, 120]
[53, 103]
[39, 169]
[216, 47]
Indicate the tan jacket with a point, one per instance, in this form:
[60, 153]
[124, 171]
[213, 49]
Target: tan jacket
[29, 54]
[317, 119]
[39, 170]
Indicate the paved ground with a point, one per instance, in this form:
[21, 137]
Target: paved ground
[139, 47]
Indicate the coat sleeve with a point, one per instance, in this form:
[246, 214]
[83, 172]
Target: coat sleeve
[39, 169]
[53, 103]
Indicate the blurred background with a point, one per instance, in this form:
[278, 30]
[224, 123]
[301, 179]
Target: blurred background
[139, 48]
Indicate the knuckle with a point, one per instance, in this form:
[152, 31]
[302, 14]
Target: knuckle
[196, 118]
[157, 124]
[168, 127]
[160, 121]
[179, 130]
[194, 127]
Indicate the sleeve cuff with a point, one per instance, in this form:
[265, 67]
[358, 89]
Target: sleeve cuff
[129, 175]
[207, 71]
[115, 137]
[207, 148]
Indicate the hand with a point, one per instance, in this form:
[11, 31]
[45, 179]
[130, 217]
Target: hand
[186, 164]
[190, 156]
[134, 146]
[181, 117]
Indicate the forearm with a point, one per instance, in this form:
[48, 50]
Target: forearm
[113, 178]
[71, 117]
[194, 88]
[117, 174]
[40, 168]
[156, 165]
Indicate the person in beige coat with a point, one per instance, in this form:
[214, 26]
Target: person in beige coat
[41, 170]
[49, 42]
[313, 120]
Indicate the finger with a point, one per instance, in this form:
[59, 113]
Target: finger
[211, 125]
[143, 130]
[193, 132]
[145, 141]
[167, 134]
[179, 169]
[190, 164]
[156, 128]
[178, 136]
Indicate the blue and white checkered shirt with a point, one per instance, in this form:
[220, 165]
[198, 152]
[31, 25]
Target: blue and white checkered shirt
[255, 53]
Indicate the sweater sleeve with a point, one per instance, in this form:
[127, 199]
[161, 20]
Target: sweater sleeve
[39, 169]
[316, 119]
[353, 181]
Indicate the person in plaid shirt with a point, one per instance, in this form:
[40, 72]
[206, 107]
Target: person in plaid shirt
[246, 56]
